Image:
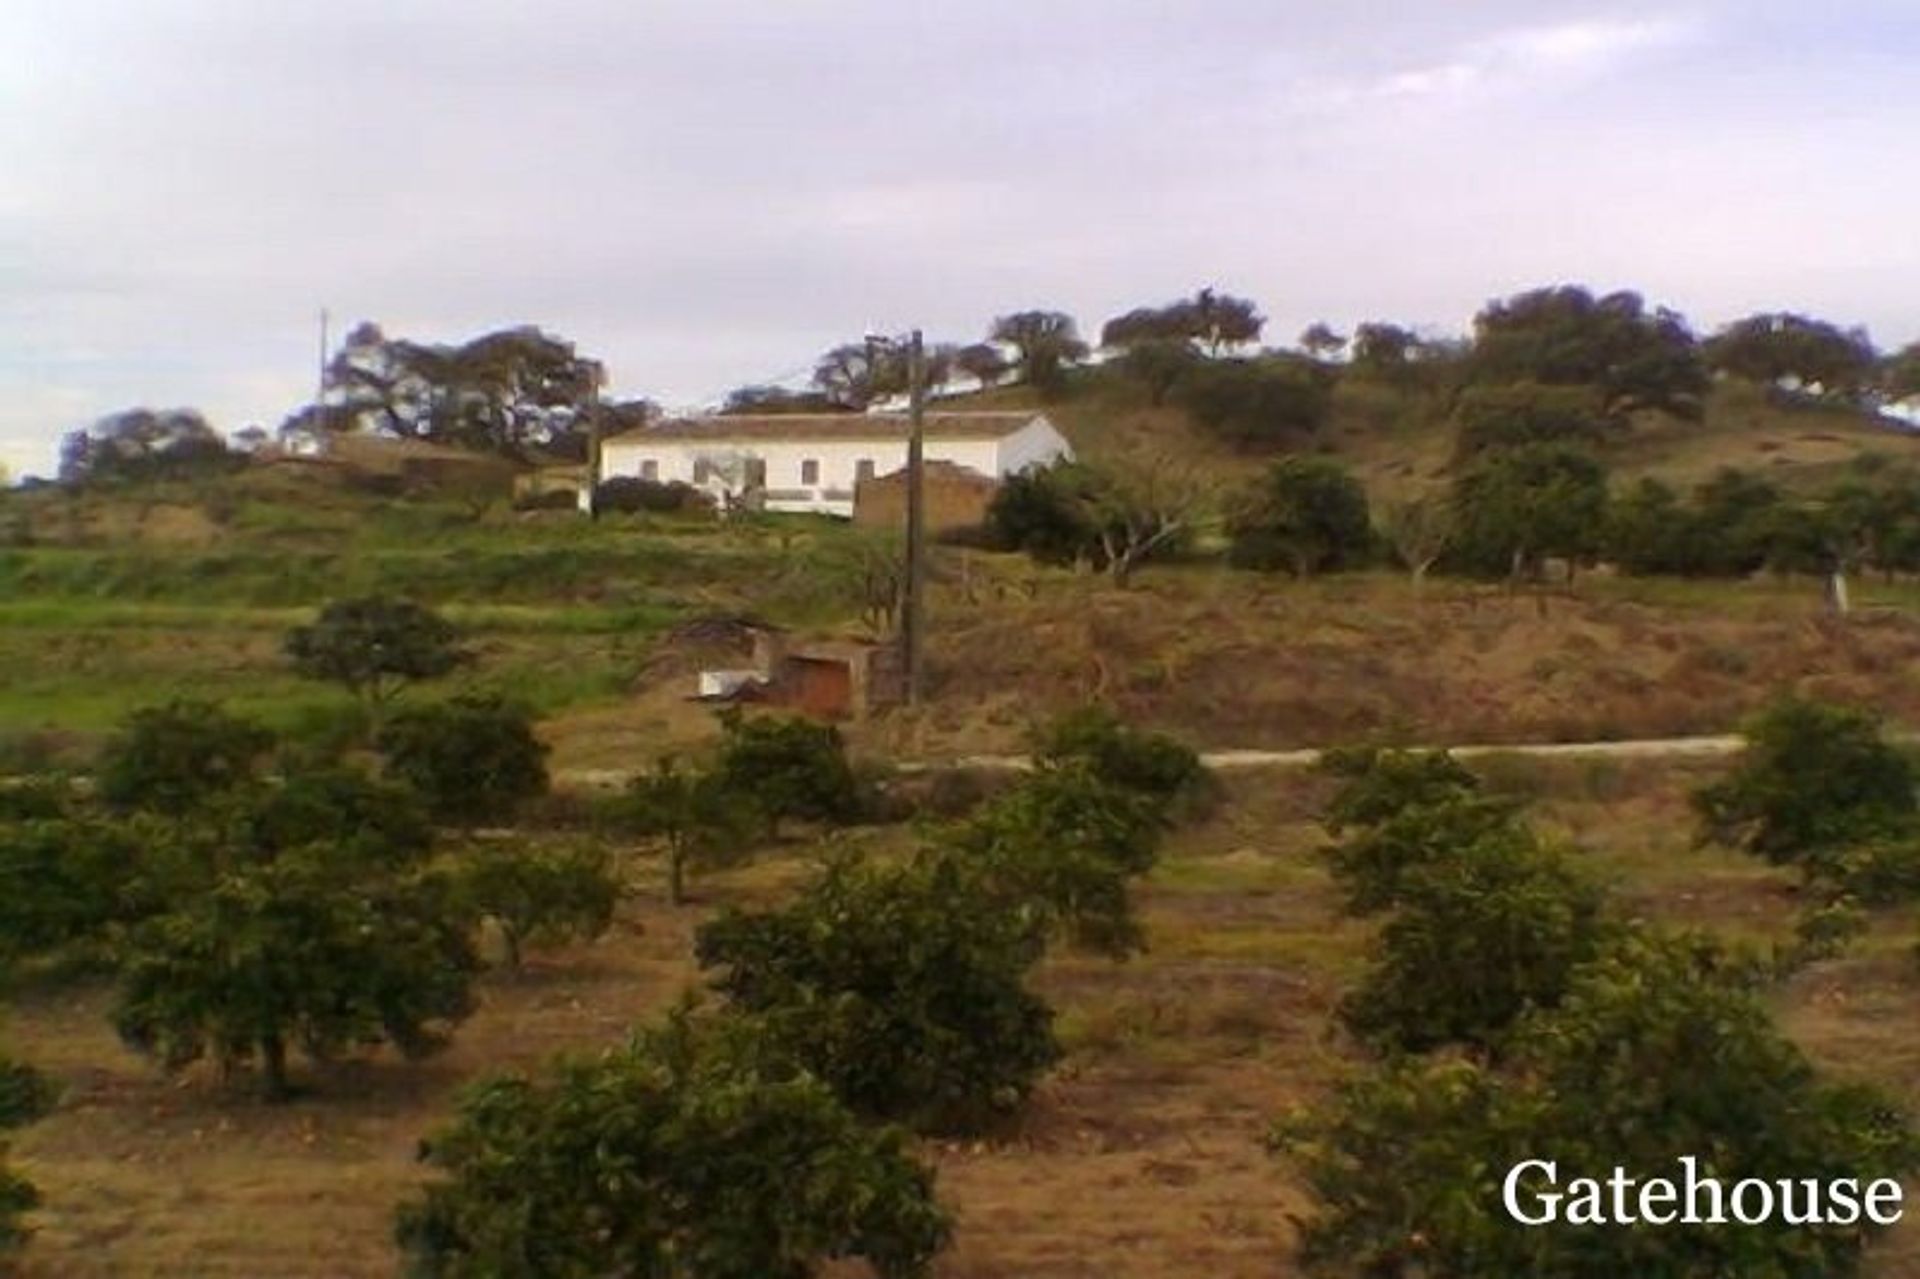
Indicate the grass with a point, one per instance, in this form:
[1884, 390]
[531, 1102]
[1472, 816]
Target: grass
[1141, 1155]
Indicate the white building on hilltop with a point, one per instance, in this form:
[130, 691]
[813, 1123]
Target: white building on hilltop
[812, 461]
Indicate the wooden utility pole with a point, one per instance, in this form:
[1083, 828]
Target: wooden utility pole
[595, 375]
[913, 621]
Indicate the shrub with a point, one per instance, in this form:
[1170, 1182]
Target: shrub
[175, 758]
[473, 759]
[1813, 777]
[1477, 939]
[311, 949]
[690, 1154]
[1378, 785]
[541, 895]
[1152, 764]
[698, 818]
[1056, 853]
[900, 988]
[375, 646]
[1662, 1048]
[627, 495]
[790, 766]
[1305, 515]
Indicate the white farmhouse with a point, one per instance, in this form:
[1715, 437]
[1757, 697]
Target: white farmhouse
[811, 461]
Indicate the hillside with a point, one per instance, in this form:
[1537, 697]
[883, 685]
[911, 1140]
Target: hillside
[1399, 443]
[121, 597]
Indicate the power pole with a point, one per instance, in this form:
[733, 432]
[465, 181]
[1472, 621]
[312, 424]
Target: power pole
[913, 620]
[595, 375]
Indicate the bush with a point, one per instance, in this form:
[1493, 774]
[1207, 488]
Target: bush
[1663, 1048]
[472, 759]
[1813, 778]
[1305, 515]
[1495, 929]
[63, 883]
[1269, 403]
[699, 820]
[374, 646]
[900, 988]
[790, 766]
[1378, 785]
[1156, 765]
[1056, 852]
[175, 758]
[312, 949]
[541, 895]
[690, 1154]
[628, 495]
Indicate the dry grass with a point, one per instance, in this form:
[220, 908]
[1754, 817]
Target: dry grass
[1141, 1157]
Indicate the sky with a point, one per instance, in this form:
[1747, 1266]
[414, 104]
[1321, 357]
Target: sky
[707, 193]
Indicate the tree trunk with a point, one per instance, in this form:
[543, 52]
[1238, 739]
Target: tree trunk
[1837, 592]
[511, 936]
[273, 1067]
[677, 876]
[1419, 570]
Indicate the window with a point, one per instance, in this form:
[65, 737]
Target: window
[810, 471]
[756, 472]
[650, 470]
[863, 470]
[702, 470]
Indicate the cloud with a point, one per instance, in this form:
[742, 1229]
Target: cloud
[1533, 57]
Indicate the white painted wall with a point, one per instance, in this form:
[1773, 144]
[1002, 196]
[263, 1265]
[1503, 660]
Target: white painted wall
[837, 463]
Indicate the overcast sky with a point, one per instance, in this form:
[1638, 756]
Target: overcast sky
[710, 192]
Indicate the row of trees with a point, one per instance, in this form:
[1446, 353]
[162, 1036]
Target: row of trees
[765, 1129]
[1516, 1014]
[1506, 512]
[526, 393]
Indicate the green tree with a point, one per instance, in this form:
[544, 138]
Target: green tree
[1377, 786]
[1517, 414]
[1210, 319]
[472, 759]
[1631, 357]
[320, 947]
[1494, 927]
[1516, 507]
[1046, 344]
[697, 817]
[1161, 767]
[63, 883]
[1321, 342]
[692, 1153]
[145, 444]
[1041, 511]
[375, 646]
[1057, 852]
[1786, 351]
[1138, 509]
[1307, 515]
[1813, 777]
[1158, 364]
[792, 767]
[903, 988]
[1385, 351]
[1267, 403]
[983, 361]
[1663, 1048]
[540, 895]
[178, 757]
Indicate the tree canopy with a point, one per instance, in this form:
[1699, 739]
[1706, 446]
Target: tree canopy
[144, 444]
[691, 1153]
[1632, 357]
